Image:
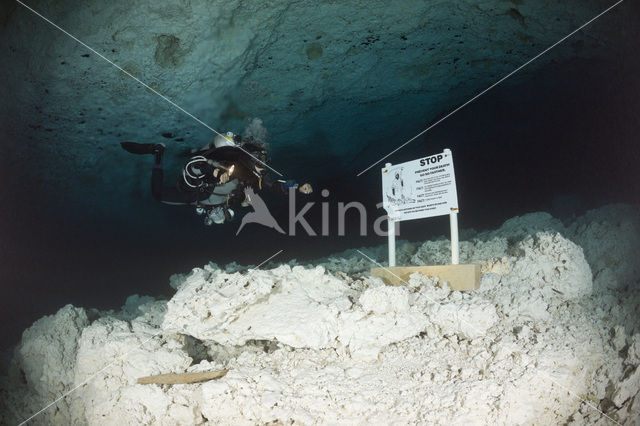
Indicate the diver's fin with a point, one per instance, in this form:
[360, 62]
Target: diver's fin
[142, 148]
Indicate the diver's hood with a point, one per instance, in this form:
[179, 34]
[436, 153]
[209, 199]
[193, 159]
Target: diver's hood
[226, 140]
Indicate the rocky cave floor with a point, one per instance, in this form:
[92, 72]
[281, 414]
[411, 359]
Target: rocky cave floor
[551, 337]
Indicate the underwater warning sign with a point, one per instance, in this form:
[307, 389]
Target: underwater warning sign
[420, 188]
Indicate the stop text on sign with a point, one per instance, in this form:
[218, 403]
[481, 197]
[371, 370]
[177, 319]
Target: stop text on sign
[431, 160]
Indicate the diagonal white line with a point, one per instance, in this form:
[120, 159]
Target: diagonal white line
[121, 357]
[143, 84]
[589, 404]
[490, 87]
[88, 380]
[494, 341]
[266, 260]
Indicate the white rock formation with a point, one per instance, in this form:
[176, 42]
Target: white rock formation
[302, 308]
[535, 344]
[43, 365]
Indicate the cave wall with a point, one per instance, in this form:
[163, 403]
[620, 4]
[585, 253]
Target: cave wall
[332, 82]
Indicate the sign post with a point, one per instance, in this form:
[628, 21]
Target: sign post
[455, 245]
[391, 234]
[418, 189]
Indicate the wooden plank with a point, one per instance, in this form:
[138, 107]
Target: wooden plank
[459, 277]
[181, 378]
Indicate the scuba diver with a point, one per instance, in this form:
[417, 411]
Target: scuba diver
[216, 177]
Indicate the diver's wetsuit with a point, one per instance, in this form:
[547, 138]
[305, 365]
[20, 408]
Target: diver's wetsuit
[244, 167]
[182, 193]
[198, 185]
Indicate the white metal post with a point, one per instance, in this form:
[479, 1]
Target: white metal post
[391, 233]
[455, 247]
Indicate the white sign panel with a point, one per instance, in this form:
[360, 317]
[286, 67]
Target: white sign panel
[420, 188]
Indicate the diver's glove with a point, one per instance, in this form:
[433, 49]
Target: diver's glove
[306, 189]
[223, 176]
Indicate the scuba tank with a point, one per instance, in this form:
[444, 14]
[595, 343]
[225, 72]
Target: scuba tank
[217, 215]
[216, 208]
